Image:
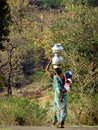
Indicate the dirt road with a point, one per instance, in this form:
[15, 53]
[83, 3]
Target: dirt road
[45, 128]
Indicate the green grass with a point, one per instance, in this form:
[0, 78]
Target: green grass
[22, 111]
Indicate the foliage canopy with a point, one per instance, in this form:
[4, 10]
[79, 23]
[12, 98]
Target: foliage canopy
[5, 21]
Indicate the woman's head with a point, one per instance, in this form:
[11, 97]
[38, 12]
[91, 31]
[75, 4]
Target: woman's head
[58, 71]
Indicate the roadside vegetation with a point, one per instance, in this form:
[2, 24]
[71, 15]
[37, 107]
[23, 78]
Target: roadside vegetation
[23, 111]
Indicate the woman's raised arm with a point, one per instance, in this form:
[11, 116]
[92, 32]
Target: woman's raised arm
[47, 69]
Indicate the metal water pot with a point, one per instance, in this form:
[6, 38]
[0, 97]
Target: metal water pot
[57, 60]
[57, 48]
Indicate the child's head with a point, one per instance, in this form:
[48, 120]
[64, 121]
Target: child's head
[68, 74]
[68, 80]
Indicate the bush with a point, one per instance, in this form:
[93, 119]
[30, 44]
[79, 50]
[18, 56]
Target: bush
[54, 4]
[22, 111]
[82, 109]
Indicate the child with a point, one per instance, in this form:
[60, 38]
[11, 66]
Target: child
[67, 85]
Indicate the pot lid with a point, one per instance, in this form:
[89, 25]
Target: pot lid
[57, 47]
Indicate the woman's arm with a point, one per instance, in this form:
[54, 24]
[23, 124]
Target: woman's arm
[47, 69]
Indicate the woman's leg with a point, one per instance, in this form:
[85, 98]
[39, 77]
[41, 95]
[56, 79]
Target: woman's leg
[59, 117]
[55, 120]
[63, 114]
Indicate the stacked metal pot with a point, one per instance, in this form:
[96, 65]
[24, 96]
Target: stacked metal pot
[57, 59]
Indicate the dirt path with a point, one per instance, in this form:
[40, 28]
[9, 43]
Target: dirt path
[44, 128]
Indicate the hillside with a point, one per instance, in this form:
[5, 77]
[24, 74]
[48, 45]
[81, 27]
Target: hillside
[33, 32]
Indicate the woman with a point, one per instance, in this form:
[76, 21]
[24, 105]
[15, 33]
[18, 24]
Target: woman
[59, 108]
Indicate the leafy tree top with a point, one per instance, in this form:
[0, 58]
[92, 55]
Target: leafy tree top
[5, 21]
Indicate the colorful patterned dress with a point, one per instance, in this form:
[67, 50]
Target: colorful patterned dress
[62, 109]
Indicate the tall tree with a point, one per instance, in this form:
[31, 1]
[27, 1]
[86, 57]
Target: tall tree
[5, 21]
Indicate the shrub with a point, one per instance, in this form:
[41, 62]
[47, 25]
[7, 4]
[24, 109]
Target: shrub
[53, 4]
[22, 111]
[82, 109]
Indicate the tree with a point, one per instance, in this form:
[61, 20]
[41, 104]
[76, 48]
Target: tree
[9, 65]
[19, 72]
[5, 21]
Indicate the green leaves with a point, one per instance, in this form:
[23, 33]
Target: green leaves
[22, 111]
[54, 4]
[5, 22]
